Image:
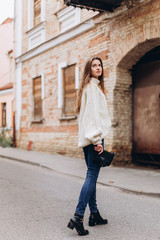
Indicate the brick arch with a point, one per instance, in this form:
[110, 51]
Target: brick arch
[137, 52]
[136, 43]
[122, 96]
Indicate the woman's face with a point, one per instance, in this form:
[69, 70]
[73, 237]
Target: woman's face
[96, 68]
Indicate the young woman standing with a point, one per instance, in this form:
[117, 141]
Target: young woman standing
[94, 123]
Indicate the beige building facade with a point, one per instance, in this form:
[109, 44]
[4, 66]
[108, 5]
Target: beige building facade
[6, 80]
[52, 43]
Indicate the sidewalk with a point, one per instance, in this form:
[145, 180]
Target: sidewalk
[128, 179]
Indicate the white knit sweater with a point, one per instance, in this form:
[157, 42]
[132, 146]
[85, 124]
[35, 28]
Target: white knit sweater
[94, 121]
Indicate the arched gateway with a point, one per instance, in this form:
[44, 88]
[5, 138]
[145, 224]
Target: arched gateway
[136, 101]
[146, 108]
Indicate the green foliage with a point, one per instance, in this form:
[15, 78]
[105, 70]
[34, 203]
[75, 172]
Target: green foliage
[4, 140]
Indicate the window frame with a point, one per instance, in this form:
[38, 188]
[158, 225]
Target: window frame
[61, 67]
[31, 13]
[2, 111]
[36, 34]
[41, 118]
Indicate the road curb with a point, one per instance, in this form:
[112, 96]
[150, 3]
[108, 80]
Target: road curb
[21, 160]
[157, 195]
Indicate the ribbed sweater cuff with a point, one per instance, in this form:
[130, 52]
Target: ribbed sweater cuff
[98, 142]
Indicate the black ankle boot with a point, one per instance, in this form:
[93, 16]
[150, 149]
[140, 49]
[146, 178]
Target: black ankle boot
[77, 222]
[96, 219]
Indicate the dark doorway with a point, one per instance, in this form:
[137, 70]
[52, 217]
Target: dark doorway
[146, 108]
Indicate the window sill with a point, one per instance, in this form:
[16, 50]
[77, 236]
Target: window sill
[64, 118]
[38, 121]
[36, 28]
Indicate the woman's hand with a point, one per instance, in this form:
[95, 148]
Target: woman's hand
[99, 148]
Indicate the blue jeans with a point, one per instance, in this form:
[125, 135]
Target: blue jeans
[88, 191]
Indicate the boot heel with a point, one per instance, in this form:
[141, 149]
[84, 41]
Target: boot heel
[91, 223]
[70, 225]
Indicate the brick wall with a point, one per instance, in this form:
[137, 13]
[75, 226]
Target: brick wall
[52, 22]
[120, 41]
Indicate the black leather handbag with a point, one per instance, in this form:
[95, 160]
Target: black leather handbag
[104, 159]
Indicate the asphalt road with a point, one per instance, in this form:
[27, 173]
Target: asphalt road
[36, 204]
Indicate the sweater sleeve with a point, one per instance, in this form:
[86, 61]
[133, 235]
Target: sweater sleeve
[93, 130]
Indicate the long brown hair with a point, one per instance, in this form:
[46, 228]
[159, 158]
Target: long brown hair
[86, 77]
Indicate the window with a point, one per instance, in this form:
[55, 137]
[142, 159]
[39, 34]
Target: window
[36, 22]
[3, 114]
[37, 98]
[37, 12]
[68, 82]
[68, 17]
[69, 96]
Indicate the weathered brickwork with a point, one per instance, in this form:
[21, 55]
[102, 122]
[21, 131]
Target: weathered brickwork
[52, 21]
[120, 41]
